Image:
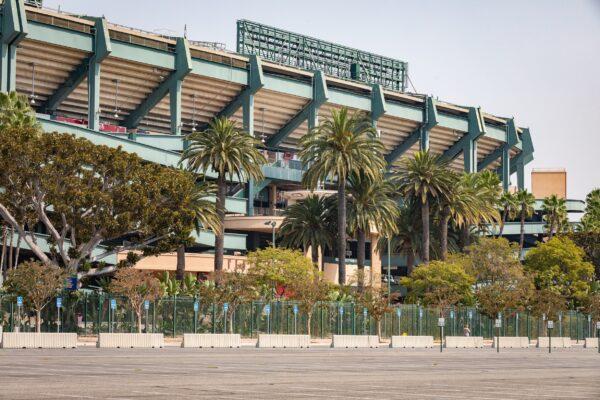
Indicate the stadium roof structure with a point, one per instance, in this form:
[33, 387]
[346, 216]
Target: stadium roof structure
[157, 89]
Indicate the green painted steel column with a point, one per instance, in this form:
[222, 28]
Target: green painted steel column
[248, 114]
[251, 192]
[520, 175]
[430, 119]
[175, 106]
[476, 129]
[378, 105]
[13, 29]
[102, 49]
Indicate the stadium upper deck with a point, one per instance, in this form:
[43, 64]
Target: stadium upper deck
[105, 77]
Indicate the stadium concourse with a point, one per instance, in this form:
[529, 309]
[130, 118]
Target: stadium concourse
[121, 86]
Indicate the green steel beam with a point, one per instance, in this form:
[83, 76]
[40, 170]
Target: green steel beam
[490, 158]
[14, 28]
[256, 81]
[467, 144]
[102, 49]
[319, 97]
[429, 120]
[183, 66]
[378, 104]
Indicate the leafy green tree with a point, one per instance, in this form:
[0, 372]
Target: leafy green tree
[424, 178]
[555, 211]
[15, 112]
[370, 205]
[204, 217]
[508, 204]
[439, 284]
[272, 267]
[547, 302]
[375, 300]
[137, 286]
[340, 146]
[37, 284]
[307, 223]
[500, 281]
[559, 265]
[84, 195]
[231, 153]
[309, 290]
[590, 222]
[589, 241]
[526, 203]
[234, 288]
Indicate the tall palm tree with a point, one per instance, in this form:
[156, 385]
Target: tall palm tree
[307, 224]
[205, 217]
[508, 204]
[370, 205]
[424, 178]
[343, 144]
[555, 211]
[229, 152]
[525, 203]
[407, 238]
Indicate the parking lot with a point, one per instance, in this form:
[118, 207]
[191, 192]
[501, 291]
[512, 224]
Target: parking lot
[249, 373]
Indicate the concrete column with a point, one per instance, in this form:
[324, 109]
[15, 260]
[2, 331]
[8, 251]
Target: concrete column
[94, 96]
[251, 191]
[248, 114]
[505, 168]
[521, 175]
[272, 198]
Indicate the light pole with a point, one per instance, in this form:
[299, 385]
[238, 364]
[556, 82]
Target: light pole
[550, 327]
[441, 323]
[272, 224]
[498, 326]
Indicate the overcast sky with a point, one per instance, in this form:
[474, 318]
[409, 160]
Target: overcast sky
[536, 60]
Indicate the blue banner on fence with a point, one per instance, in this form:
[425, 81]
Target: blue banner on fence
[295, 308]
[268, 309]
[365, 312]
[225, 307]
[58, 302]
[420, 313]
[113, 304]
[470, 314]
[19, 301]
[398, 312]
[341, 310]
[146, 304]
[452, 314]
[196, 306]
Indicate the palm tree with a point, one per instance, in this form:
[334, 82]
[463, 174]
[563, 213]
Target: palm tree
[525, 203]
[230, 153]
[343, 144]
[555, 211]
[424, 178]
[370, 205]
[508, 203]
[204, 217]
[407, 238]
[307, 224]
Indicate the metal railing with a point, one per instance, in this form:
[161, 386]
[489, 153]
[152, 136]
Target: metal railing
[89, 314]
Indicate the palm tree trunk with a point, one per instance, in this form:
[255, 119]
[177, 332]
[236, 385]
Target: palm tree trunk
[342, 231]
[465, 236]
[425, 220]
[220, 234]
[504, 214]
[180, 271]
[410, 261]
[522, 238]
[360, 256]
[444, 232]
[314, 255]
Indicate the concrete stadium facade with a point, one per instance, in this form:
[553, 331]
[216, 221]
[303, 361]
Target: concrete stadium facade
[119, 86]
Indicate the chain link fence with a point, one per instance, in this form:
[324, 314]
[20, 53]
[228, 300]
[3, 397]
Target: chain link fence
[89, 314]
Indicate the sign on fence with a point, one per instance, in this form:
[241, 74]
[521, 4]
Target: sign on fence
[470, 314]
[268, 309]
[146, 304]
[452, 314]
[295, 309]
[19, 301]
[113, 304]
[398, 312]
[225, 307]
[341, 310]
[365, 312]
[196, 306]
[58, 302]
[420, 313]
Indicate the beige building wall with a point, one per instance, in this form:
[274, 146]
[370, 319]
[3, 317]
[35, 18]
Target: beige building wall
[545, 183]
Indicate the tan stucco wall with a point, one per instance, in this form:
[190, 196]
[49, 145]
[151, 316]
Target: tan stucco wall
[546, 183]
[193, 262]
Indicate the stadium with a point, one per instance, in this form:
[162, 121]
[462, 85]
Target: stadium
[120, 86]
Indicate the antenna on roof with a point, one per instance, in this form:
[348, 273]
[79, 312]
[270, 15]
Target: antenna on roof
[185, 31]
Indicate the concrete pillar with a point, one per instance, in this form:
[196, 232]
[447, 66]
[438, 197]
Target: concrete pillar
[248, 114]
[94, 96]
[505, 168]
[175, 106]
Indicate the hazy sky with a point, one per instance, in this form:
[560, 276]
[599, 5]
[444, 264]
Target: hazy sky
[536, 60]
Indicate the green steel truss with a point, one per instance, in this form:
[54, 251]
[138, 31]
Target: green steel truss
[308, 53]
